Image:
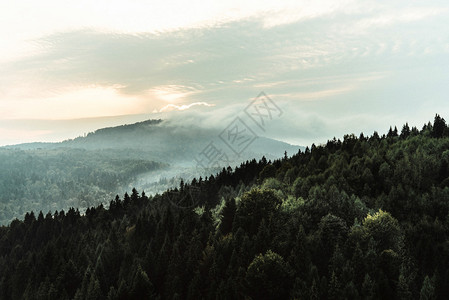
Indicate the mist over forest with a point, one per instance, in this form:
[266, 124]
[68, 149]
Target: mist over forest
[89, 170]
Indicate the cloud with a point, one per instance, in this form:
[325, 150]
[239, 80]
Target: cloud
[323, 94]
[89, 101]
[406, 15]
[212, 59]
[332, 62]
[169, 107]
[171, 93]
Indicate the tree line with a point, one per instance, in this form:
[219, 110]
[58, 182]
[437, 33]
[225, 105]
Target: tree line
[365, 217]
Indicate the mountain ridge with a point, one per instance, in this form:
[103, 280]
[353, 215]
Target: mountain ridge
[153, 155]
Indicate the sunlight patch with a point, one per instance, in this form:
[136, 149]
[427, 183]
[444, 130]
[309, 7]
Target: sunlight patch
[171, 107]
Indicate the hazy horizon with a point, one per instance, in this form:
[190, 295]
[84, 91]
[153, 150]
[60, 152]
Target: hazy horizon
[56, 131]
[332, 67]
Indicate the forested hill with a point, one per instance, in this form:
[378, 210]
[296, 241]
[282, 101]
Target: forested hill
[97, 136]
[163, 141]
[92, 169]
[125, 128]
[365, 217]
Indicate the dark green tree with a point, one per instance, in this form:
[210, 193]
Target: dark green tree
[268, 277]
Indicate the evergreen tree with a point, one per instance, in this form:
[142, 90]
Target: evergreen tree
[268, 277]
[427, 289]
[439, 127]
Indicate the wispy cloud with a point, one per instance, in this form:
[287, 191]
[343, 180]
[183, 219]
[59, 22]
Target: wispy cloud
[172, 93]
[360, 55]
[406, 15]
[309, 96]
[170, 107]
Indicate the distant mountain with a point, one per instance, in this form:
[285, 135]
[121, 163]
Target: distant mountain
[153, 155]
[163, 141]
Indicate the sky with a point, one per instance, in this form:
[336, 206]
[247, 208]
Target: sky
[332, 67]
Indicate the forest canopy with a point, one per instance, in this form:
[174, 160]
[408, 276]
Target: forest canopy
[365, 217]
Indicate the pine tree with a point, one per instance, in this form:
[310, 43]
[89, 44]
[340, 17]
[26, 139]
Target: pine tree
[94, 290]
[334, 287]
[439, 127]
[405, 132]
[427, 289]
[268, 277]
[142, 287]
[227, 216]
[368, 288]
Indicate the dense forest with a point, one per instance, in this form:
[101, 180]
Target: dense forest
[365, 217]
[55, 179]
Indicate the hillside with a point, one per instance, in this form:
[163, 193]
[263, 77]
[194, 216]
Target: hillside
[92, 169]
[359, 218]
[164, 141]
